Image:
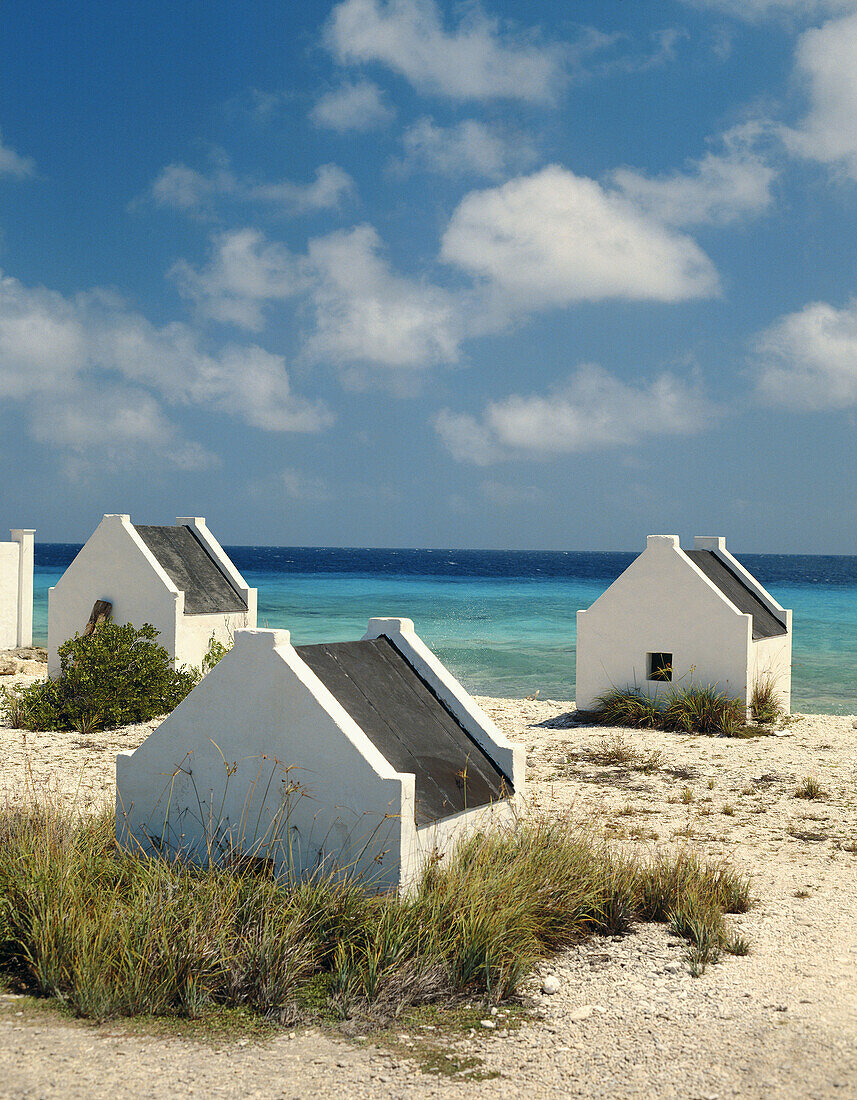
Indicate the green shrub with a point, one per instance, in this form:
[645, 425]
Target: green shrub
[216, 650]
[114, 677]
[116, 934]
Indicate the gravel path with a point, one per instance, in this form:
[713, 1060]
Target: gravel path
[628, 1019]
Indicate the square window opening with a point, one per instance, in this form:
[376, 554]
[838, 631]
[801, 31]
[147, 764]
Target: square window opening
[661, 667]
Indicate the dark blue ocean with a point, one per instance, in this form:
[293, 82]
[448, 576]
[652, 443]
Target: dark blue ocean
[504, 621]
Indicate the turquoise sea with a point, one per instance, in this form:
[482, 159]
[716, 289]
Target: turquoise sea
[504, 621]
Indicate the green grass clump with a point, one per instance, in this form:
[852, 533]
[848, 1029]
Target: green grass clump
[765, 704]
[688, 709]
[702, 710]
[627, 708]
[810, 788]
[116, 676]
[113, 934]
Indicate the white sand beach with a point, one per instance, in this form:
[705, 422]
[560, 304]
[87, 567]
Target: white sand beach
[628, 1020]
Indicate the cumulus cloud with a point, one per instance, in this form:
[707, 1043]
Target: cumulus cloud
[537, 242]
[467, 148]
[826, 60]
[593, 410]
[12, 164]
[76, 354]
[244, 273]
[122, 423]
[554, 238]
[471, 60]
[719, 188]
[808, 359]
[365, 312]
[186, 189]
[356, 105]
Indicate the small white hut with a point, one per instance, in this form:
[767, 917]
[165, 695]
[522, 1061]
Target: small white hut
[366, 756]
[680, 616]
[178, 578]
[16, 589]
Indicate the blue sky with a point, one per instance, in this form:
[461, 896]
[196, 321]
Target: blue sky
[413, 273]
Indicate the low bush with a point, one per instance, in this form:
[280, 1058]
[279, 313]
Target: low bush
[115, 934]
[114, 677]
[687, 709]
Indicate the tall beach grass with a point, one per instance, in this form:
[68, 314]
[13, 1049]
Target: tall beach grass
[116, 934]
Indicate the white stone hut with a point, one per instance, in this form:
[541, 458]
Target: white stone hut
[178, 578]
[16, 589]
[680, 616]
[362, 757]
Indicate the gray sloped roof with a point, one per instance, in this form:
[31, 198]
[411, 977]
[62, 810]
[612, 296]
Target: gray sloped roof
[409, 725]
[765, 623]
[192, 569]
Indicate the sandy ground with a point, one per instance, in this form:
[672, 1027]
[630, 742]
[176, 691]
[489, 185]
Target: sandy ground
[628, 1020]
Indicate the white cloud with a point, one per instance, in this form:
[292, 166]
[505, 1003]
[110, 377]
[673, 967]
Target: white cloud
[184, 188]
[356, 105]
[367, 313]
[827, 61]
[327, 191]
[808, 359]
[718, 188]
[79, 354]
[467, 148]
[472, 60]
[363, 311]
[121, 423]
[466, 439]
[12, 164]
[553, 238]
[245, 272]
[593, 410]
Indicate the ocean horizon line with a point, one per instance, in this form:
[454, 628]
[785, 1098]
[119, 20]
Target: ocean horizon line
[472, 549]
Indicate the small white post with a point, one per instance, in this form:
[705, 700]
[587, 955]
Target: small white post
[25, 537]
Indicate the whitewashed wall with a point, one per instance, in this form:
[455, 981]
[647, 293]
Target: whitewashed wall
[200, 782]
[306, 784]
[771, 660]
[662, 603]
[116, 565]
[194, 632]
[9, 559]
[16, 590]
